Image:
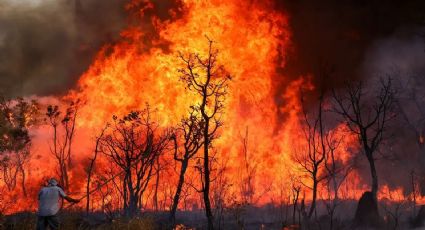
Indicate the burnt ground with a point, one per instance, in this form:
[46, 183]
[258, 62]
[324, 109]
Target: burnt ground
[398, 215]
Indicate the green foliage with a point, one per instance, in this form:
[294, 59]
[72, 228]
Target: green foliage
[16, 116]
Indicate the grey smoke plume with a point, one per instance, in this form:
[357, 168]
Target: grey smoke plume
[46, 44]
[401, 56]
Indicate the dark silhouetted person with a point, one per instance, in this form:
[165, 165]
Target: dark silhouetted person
[48, 205]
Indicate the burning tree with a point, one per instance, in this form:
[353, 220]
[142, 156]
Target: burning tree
[133, 144]
[209, 80]
[16, 116]
[336, 173]
[190, 133]
[311, 157]
[91, 165]
[62, 144]
[250, 168]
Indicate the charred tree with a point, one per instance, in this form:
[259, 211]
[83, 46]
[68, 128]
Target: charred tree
[133, 145]
[191, 135]
[367, 118]
[295, 194]
[312, 157]
[209, 80]
[90, 168]
[63, 141]
[336, 173]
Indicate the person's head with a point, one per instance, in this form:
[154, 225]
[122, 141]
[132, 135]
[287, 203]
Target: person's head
[52, 182]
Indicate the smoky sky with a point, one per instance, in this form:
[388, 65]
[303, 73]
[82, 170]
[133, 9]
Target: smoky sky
[363, 40]
[45, 45]
[339, 33]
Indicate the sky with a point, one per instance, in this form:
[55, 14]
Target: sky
[45, 45]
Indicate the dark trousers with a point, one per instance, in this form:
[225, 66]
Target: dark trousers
[44, 222]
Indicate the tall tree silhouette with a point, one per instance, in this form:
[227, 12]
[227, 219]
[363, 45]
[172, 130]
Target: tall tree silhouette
[133, 144]
[367, 118]
[189, 133]
[209, 80]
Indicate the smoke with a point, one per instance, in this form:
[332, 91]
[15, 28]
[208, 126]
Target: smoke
[45, 45]
[401, 57]
[339, 33]
[402, 54]
[363, 40]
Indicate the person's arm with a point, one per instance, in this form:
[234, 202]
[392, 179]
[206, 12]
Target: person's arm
[72, 200]
[67, 198]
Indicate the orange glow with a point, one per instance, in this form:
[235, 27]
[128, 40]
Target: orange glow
[253, 40]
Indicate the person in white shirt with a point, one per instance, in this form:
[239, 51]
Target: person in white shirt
[48, 205]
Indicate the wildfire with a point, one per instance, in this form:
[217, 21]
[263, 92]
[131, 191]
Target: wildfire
[253, 40]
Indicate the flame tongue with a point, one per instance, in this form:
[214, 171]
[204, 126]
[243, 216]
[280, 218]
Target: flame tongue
[251, 37]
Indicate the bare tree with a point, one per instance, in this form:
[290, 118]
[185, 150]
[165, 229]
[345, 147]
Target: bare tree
[367, 117]
[90, 168]
[190, 133]
[209, 80]
[160, 170]
[221, 189]
[249, 170]
[337, 172]
[295, 194]
[133, 144]
[312, 157]
[62, 141]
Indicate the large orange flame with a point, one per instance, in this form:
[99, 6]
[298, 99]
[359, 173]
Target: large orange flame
[253, 40]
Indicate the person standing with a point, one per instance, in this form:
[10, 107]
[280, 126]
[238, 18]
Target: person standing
[48, 205]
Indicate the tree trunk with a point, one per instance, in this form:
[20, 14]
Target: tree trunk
[88, 193]
[132, 207]
[295, 209]
[24, 190]
[155, 195]
[178, 191]
[374, 176]
[313, 201]
[206, 188]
